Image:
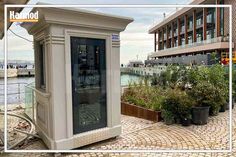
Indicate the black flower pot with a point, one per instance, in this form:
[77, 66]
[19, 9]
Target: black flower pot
[223, 107]
[200, 115]
[186, 122]
[233, 101]
[227, 106]
[177, 120]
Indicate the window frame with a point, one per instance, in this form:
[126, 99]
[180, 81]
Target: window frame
[42, 65]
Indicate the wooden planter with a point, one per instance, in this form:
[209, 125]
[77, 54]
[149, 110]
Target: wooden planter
[140, 112]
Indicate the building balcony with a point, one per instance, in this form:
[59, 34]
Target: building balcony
[199, 26]
[205, 45]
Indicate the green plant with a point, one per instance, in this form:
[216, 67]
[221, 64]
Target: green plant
[234, 82]
[185, 106]
[177, 103]
[168, 117]
[172, 77]
[143, 95]
[214, 58]
[206, 94]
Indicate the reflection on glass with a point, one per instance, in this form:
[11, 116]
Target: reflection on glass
[88, 64]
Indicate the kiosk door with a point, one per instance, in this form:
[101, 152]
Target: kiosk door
[88, 68]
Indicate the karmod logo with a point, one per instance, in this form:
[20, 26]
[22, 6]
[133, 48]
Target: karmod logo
[24, 17]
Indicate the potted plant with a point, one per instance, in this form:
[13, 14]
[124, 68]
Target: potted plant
[169, 106]
[205, 96]
[177, 105]
[184, 110]
[168, 117]
[186, 121]
[223, 107]
[219, 78]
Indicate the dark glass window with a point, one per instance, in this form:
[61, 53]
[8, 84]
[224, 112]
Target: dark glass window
[42, 66]
[88, 67]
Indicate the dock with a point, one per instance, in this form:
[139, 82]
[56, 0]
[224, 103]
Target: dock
[21, 72]
[143, 71]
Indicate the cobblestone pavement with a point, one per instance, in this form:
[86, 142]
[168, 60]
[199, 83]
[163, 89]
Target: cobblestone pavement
[142, 134]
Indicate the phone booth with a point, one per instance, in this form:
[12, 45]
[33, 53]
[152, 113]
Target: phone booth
[77, 76]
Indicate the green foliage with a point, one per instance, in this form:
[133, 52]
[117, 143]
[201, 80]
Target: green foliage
[178, 104]
[178, 88]
[214, 58]
[172, 77]
[143, 95]
[168, 117]
[234, 82]
[206, 94]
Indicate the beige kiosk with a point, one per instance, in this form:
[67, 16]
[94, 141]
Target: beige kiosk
[77, 76]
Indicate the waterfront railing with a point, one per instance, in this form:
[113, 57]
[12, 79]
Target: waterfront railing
[15, 93]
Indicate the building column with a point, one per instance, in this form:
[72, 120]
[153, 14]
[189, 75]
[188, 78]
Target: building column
[217, 18]
[155, 42]
[167, 37]
[159, 39]
[204, 23]
[172, 39]
[194, 26]
[163, 38]
[186, 28]
[178, 34]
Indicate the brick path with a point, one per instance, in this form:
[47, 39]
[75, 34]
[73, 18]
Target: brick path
[142, 134]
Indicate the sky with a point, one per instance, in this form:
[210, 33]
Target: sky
[136, 43]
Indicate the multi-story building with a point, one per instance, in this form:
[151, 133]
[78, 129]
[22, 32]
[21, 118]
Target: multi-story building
[191, 35]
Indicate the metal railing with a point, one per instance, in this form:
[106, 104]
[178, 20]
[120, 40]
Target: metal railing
[15, 93]
[209, 41]
[30, 100]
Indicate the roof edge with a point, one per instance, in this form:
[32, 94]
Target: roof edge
[173, 16]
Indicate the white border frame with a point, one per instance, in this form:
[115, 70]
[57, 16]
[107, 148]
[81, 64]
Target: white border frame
[120, 6]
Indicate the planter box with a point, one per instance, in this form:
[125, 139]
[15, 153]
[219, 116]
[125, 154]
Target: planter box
[140, 112]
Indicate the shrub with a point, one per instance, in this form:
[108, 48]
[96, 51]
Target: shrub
[234, 82]
[144, 95]
[171, 77]
[168, 117]
[177, 103]
[206, 94]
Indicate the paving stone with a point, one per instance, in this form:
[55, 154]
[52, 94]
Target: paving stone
[139, 134]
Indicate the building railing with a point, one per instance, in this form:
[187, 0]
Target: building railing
[209, 41]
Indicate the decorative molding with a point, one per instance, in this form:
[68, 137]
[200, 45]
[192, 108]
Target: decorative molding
[116, 44]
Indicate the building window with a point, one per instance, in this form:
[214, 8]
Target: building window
[210, 33]
[182, 28]
[199, 37]
[190, 23]
[182, 41]
[170, 33]
[210, 16]
[175, 31]
[164, 45]
[199, 20]
[42, 65]
[190, 39]
[222, 21]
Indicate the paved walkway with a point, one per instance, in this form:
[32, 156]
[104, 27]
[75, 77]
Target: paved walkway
[142, 134]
